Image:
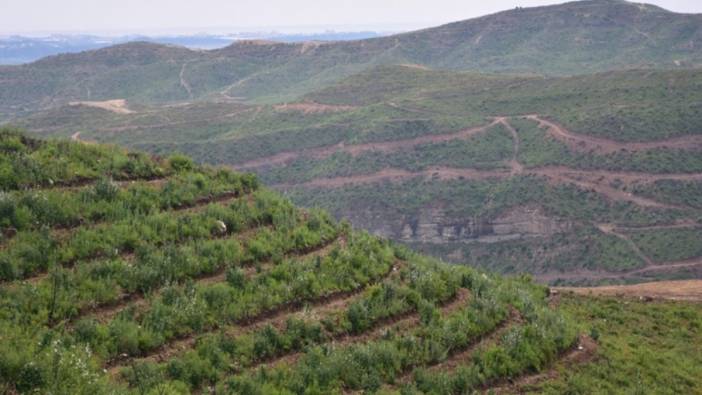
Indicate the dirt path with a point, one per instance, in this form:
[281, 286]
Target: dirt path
[601, 188]
[394, 175]
[610, 230]
[458, 357]
[307, 107]
[686, 290]
[61, 235]
[598, 275]
[118, 106]
[682, 224]
[276, 315]
[356, 149]
[183, 82]
[515, 166]
[668, 266]
[446, 173]
[587, 143]
[109, 311]
[394, 323]
[583, 352]
[606, 176]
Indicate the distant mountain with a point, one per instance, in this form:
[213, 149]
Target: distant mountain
[20, 49]
[572, 38]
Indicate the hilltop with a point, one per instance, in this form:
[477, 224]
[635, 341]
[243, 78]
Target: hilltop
[124, 273]
[567, 39]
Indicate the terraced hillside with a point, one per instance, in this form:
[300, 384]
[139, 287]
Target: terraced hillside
[125, 273]
[577, 180]
[572, 38]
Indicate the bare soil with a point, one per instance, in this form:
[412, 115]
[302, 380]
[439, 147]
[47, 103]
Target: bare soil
[118, 106]
[396, 323]
[599, 181]
[276, 316]
[312, 107]
[583, 352]
[685, 290]
[356, 149]
[587, 143]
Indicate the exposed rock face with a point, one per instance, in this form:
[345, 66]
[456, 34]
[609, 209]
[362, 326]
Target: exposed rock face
[433, 225]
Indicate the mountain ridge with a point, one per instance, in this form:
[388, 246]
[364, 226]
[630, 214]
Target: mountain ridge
[567, 39]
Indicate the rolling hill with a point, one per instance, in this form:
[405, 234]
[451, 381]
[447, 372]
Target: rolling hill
[572, 38]
[577, 180]
[124, 273]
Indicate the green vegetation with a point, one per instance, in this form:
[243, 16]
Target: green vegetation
[213, 277]
[621, 77]
[486, 151]
[670, 245]
[682, 193]
[644, 347]
[27, 162]
[465, 199]
[614, 35]
[538, 150]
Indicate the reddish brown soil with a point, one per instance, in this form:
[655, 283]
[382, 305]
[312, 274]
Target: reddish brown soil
[63, 234]
[277, 316]
[396, 323]
[395, 175]
[609, 229]
[356, 149]
[624, 177]
[104, 313]
[584, 351]
[559, 176]
[587, 143]
[514, 164]
[461, 357]
[554, 175]
[599, 181]
[686, 290]
[458, 357]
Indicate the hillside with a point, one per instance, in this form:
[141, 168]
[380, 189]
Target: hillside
[577, 180]
[123, 273]
[572, 38]
[129, 274]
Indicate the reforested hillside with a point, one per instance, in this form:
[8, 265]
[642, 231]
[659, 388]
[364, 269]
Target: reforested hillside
[572, 38]
[584, 179]
[123, 273]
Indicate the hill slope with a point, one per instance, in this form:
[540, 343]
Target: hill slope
[572, 38]
[584, 179]
[128, 274]
[182, 277]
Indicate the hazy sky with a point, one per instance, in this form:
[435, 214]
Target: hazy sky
[151, 16]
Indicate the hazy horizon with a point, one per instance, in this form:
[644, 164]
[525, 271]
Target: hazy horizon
[43, 17]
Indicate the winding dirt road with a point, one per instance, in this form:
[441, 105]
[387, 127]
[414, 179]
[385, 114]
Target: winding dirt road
[356, 149]
[587, 143]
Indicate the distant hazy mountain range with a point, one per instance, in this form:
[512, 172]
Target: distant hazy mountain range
[568, 39]
[20, 49]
